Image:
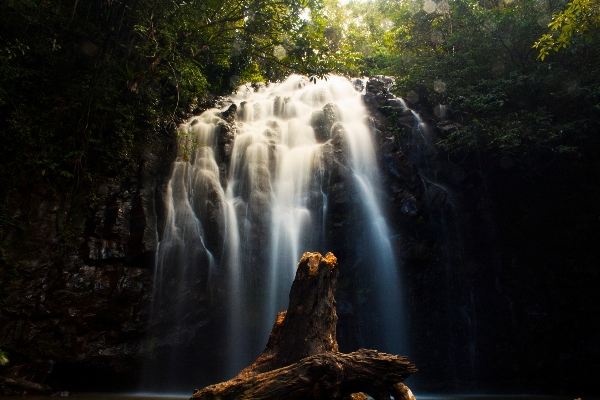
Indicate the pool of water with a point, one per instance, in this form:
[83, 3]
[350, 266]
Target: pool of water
[182, 396]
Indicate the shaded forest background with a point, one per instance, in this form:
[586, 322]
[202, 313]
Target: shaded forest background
[85, 85]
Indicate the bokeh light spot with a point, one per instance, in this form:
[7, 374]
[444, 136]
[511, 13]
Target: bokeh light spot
[541, 5]
[248, 14]
[439, 86]
[443, 7]
[440, 111]
[414, 6]
[437, 37]
[279, 51]
[429, 6]
[386, 24]
[543, 20]
[412, 97]
[237, 47]
[488, 25]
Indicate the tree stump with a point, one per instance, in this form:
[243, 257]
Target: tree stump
[308, 326]
[301, 360]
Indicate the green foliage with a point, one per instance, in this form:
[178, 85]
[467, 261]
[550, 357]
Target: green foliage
[580, 18]
[103, 72]
[86, 85]
[3, 358]
[475, 57]
[187, 144]
[392, 115]
[356, 33]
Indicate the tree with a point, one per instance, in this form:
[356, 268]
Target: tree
[475, 59]
[580, 18]
[86, 86]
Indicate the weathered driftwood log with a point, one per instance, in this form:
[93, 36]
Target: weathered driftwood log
[301, 360]
[328, 375]
[308, 326]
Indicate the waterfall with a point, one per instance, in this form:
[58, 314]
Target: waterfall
[250, 192]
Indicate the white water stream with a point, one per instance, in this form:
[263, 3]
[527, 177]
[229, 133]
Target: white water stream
[249, 222]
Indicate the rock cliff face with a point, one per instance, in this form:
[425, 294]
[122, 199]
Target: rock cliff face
[77, 305]
[498, 296]
[444, 234]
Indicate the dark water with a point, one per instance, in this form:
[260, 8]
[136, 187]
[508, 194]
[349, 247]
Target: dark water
[181, 396]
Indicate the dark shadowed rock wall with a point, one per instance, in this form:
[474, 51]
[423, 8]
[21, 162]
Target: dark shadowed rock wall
[76, 307]
[499, 259]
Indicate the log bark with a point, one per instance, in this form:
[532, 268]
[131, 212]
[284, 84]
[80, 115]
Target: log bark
[308, 326]
[301, 359]
[328, 375]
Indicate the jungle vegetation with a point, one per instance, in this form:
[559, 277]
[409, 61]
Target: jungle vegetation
[84, 84]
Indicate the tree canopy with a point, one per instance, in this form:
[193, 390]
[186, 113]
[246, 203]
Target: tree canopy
[82, 81]
[90, 74]
[579, 18]
[85, 83]
[476, 62]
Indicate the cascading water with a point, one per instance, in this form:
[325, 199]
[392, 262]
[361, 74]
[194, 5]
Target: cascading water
[254, 195]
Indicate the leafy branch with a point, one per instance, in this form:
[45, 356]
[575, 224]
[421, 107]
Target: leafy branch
[580, 18]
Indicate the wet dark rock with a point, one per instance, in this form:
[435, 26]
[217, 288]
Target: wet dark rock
[450, 220]
[258, 86]
[63, 393]
[35, 371]
[337, 137]
[16, 386]
[259, 206]
[447, 127]
[376, 86]
[319, 124]
[410, 207]
[358, 84]
[225, 138]
[211, 100]
[323, 120]
[83, 287]
[274, 125]
[271, 134]
[278, 106]
[209, 206]
[229, 115]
